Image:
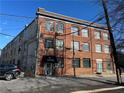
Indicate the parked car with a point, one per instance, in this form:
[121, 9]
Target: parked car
[9, 71]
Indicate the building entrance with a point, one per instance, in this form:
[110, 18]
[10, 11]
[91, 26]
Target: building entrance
[48, 69]
[49, 65]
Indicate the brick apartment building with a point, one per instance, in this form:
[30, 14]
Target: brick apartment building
[54, 44]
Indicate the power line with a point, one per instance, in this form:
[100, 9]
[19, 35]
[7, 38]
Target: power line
[4, 14]
[11, 15]
[97, 20]
[83, 27]
[6, 35]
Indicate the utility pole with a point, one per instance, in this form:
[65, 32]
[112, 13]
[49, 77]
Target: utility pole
[114, 53]
[53, 65]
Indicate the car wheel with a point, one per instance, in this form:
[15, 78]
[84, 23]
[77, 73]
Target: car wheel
[9, 77]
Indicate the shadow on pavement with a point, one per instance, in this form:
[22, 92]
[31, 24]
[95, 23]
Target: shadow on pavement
[79, 79]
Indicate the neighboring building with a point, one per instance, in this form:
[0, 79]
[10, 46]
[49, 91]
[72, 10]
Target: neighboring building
[46, 46]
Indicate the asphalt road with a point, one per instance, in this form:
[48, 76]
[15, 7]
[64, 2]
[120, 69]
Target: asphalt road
[59, 85]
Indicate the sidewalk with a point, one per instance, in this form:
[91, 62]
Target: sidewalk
[102, 75]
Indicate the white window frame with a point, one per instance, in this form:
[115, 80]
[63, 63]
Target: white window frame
[98, 46]
[105, 36]
[76, 45]
[75, 30]
[97, 35]
[59, 44]
[85, 32]
[98, 60]
[51, 25]
[59, 27]
[106, 48]
[85, 44]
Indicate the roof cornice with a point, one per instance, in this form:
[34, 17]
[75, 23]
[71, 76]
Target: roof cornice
[42, 12]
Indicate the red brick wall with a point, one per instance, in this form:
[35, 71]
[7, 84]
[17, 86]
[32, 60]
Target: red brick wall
[68, 54]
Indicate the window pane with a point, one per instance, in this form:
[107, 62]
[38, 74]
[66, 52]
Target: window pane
[97, 35]
[76, 62]
[84, 32]
[75, 30]
[60, 61]
[106, 49]
[108, 64]
[49, 43]
[49, 26]
[85, 47]
[86, 62]
[60, 27]
[59, 44]
[76, 45]
[98, 48]
[105, 36]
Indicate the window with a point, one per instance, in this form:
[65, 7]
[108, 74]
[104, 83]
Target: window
[86, 47]
[106, 49]
[49, 43]
[85, 33]
[49, 25]
[19, 50]
[76, 45]
[108, 64]
[97, 35]
[105, 36]
[60, 61]
[86, 63]
[59, 27]
[59, 44]
[98, 48]
[99, 66]
[76, 62]
[75, 30]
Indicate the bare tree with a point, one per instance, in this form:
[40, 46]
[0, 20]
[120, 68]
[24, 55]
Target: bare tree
[116, 16]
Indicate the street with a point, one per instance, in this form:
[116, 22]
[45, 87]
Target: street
[61, 85]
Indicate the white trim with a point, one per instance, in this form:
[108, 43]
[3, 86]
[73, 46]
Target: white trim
[98, 60]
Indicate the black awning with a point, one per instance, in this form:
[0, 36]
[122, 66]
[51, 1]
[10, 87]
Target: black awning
[50, 59]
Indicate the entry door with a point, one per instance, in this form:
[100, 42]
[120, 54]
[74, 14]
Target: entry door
[48, 67]
[99, 65]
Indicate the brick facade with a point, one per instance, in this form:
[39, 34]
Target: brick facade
[67, 52]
